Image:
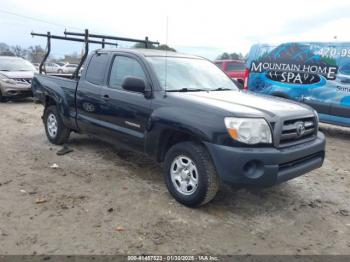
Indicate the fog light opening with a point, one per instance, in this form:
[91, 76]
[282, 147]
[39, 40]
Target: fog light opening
[253, 169]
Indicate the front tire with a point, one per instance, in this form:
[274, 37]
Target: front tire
[56, 132]
[3, 99]
[190, 175]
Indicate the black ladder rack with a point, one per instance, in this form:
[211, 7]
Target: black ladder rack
[87, 40]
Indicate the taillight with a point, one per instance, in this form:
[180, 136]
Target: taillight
[246, 76]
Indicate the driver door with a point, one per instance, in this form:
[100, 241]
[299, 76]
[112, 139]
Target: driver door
[125, 114]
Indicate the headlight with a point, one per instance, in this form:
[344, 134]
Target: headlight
[7, 80]
[249, 130]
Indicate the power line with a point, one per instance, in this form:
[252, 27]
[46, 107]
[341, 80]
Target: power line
[38, 20]
[49, 23]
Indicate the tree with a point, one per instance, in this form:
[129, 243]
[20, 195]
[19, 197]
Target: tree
[4, 47]
[159, 47]
[73, 58]
[7, 53]
[232, 56]
[5, 50]
[36, 53]
[165, 47]
[19, 51]
[223, 56]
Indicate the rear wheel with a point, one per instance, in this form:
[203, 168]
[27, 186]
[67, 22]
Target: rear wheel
[56, 132]
[190, 175]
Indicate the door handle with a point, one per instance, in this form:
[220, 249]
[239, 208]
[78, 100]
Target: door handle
[105, 97]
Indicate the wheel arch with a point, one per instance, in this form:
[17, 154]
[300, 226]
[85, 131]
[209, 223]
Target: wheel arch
[62, 110]
[170, 137]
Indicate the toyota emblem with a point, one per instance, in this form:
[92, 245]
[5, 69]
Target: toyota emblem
[300, 128]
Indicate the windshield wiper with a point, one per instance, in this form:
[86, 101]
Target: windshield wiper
[186, 90]
[221, 89]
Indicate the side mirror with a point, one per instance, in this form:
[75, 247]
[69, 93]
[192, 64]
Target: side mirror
[134, 84]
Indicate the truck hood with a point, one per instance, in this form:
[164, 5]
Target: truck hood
[241, 103]
[17, 74]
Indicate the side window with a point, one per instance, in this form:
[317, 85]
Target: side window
[124, 66]
[96, 70]
[235, 67]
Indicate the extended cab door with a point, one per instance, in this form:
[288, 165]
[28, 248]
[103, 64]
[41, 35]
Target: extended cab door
[88, 95]
[125, 114]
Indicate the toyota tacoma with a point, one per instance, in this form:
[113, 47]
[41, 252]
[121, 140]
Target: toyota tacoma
[187, 114]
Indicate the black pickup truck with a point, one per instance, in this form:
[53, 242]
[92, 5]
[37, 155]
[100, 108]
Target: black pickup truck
[184, 112]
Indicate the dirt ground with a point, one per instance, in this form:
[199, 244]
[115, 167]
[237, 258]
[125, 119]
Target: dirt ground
[104, 200]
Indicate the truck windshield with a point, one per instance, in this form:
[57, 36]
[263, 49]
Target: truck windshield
[15, 64]
[186, 74]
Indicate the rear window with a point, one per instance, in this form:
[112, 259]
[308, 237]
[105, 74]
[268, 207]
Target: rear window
[235, 67]
[96, 70]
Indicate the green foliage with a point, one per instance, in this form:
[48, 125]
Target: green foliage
[232, 56]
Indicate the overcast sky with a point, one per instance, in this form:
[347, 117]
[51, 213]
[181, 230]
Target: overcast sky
[206, 28]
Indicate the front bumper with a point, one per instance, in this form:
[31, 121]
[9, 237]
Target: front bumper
[266, 166]
[18, 91]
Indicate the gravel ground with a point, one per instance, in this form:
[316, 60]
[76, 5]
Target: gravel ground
[104, 200]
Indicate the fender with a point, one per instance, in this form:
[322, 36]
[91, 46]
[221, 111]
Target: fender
[46, 88]
[173, 119]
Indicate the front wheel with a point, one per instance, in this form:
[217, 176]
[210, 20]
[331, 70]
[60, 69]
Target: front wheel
[56, 132]
[2, 98]
[190, 175]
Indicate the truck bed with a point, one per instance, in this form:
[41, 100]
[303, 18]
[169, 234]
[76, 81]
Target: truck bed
[61, 89]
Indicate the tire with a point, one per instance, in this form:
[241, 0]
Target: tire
[3, 99]
[55, 130]
[60, 71]
[183, 156]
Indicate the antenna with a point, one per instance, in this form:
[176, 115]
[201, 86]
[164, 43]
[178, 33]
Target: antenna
[166, 54]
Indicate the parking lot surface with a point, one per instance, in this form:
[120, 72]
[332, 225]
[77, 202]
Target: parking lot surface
[99, 199]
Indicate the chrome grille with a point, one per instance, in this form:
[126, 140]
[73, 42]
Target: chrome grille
[23, 80]
[296, 130]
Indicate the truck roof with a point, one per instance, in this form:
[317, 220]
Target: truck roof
[149, 52]
[230, 60]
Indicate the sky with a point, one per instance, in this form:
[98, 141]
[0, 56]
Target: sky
[207, 28]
